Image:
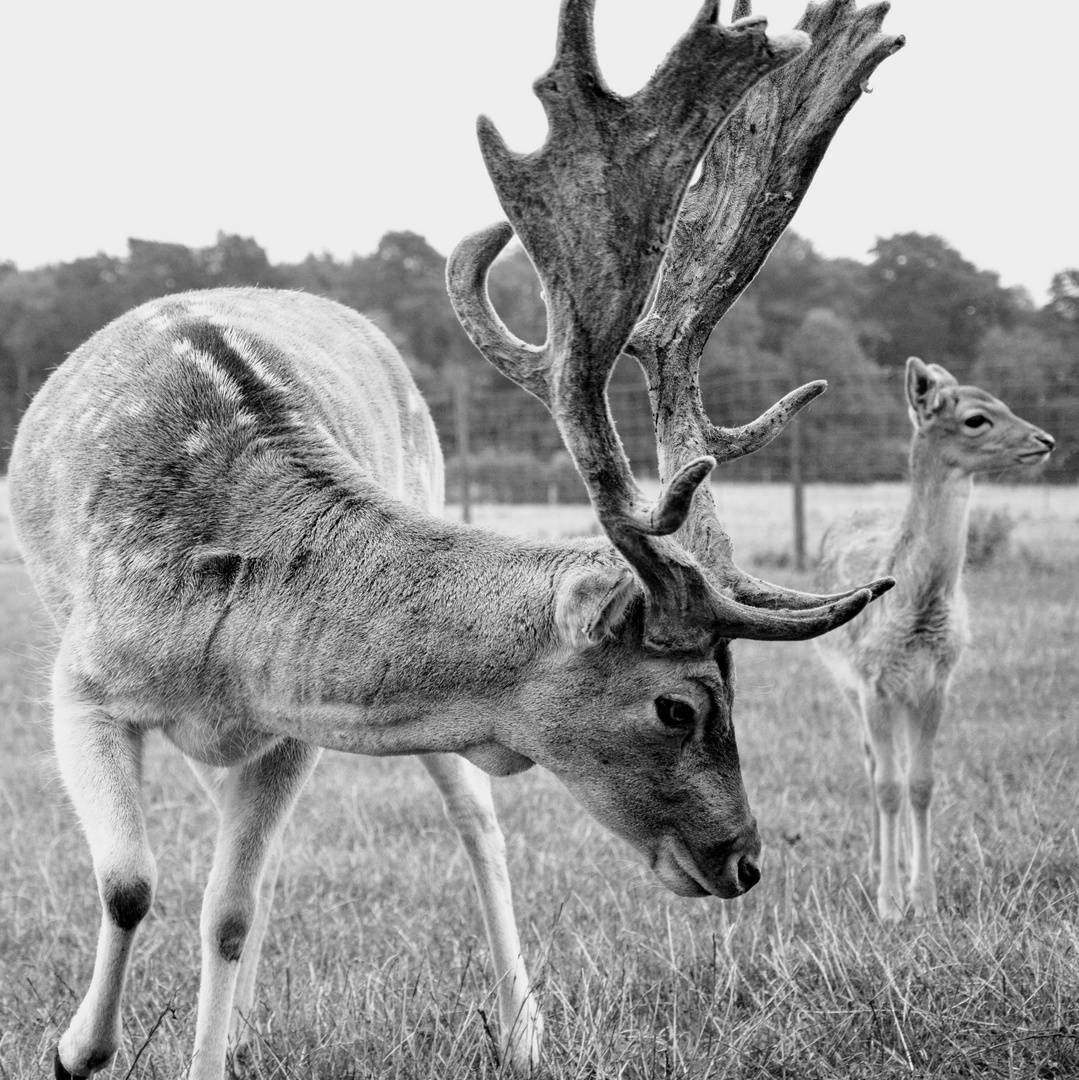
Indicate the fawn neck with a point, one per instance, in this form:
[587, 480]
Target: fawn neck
[932, 541]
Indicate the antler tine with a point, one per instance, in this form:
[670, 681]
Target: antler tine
[466, 281]
[594, 208]
[752, 181]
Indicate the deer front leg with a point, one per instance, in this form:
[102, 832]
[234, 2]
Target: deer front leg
[923, 723]
[466, 792]
[880, 722]
[101, 763]
[255, 801]
[241, 1037]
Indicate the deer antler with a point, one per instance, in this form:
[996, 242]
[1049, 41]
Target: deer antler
[594, 208]
[752, 182]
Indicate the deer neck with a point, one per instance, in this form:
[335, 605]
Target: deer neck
[932, 541]
[409, 633]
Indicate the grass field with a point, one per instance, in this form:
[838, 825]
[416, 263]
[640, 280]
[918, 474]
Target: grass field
[376, 962]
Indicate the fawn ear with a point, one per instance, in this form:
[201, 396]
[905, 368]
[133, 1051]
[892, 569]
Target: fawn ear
[592, 606]
[924, 385]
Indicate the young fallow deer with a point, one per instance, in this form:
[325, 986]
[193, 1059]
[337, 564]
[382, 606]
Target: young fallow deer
[229, 501]
[894, 666]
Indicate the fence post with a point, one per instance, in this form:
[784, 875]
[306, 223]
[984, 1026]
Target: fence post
[798, 491]
[797, 481]
[461, 419]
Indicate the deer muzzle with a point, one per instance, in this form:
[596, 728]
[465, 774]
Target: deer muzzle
[726, 869]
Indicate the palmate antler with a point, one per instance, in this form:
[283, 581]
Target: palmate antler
[752, 181]
[595, 208]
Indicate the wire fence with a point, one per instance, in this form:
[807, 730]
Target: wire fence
[855, 433]
[845, 436]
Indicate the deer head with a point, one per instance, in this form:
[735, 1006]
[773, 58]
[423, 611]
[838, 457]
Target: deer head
[966, 430]
[599, 209]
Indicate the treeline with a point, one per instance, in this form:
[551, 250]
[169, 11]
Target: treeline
[804, 317]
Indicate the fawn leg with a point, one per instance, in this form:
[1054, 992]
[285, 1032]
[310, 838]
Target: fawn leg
[466, 792]
[923, 723]
[880, 722]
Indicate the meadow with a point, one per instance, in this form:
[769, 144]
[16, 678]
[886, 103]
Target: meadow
[376, 962]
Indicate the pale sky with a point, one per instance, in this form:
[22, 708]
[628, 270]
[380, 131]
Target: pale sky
[319, 126]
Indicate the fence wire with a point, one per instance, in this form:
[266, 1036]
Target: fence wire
[855, 432]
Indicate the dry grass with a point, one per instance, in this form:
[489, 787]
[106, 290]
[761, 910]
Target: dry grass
[376, 964]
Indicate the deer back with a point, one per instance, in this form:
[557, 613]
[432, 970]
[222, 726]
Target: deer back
[148, 443]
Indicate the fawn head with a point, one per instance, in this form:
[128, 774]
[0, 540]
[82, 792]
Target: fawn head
[967, 428]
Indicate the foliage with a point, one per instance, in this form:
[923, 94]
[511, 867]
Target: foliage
[804, 317]
[931, 302]
[1064, 297]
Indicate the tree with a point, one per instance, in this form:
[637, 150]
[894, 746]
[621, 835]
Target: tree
[861, 408]
[1064, 298]
[237, 260]
[930, 302]
[794, 280]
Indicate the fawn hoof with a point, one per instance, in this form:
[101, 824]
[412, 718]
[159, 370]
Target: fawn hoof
[61, 1073]
[889, 909]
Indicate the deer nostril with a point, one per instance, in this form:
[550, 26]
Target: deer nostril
[749, 873]
[1047, 439]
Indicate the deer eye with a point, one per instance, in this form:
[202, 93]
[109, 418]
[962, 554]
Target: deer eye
[675, 713]
[976, 421]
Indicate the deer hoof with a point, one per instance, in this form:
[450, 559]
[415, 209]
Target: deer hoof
[61, 1072]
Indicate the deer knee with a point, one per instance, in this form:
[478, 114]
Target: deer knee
[921, 793]
[889, 796]
[229, 934]
[127, 901]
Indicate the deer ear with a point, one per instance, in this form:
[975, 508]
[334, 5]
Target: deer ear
[924, 385]
[593, 605]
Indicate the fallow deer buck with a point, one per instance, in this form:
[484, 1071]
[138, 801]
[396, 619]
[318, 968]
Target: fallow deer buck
[229, 502]
[895, 666]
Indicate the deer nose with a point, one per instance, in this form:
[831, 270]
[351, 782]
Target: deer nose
[741, 862]
[749, 872]
[740, 873]
[1046, 439]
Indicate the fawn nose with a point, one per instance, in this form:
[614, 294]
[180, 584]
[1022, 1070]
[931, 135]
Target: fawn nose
[1046, 440]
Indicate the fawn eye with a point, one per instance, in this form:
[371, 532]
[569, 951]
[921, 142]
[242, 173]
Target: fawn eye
[976, 421]
[675, 713]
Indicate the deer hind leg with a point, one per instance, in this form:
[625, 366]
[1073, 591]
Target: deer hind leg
[880, 725]
[466, 792]
[255, 801]
[101, 764]
[242, 1051]
[923, 723]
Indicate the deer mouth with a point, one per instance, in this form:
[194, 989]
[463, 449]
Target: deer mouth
[676, 878]
[676, 869]
[1032, 457]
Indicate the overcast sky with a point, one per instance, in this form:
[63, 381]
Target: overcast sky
[320, 126]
